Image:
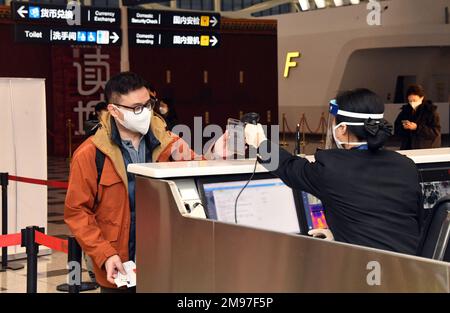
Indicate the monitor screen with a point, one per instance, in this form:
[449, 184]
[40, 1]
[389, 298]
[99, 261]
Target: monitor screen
[433, 191]
[435, 183]
[314, 212]
[265, 203]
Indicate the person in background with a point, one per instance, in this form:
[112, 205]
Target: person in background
[167, 111]
[91, 125]
[418, 123]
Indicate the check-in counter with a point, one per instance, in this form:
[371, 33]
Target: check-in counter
[179, 250]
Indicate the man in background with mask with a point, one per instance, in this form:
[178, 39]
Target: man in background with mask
[168, 113]
[418, 124]
[100, 203]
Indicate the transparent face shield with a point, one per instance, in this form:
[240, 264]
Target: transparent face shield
[334, 141]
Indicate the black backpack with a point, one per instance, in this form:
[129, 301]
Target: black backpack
[99, 163]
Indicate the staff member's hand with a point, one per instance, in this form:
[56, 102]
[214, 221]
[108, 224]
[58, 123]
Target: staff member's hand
[322, 233]
[254, 135]
[113, 265]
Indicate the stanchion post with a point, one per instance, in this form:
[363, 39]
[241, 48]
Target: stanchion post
[4, 182]
[75, 283]
[74, 263]
[302, 127]
[323, 125]
[283, 130]
[32, 249]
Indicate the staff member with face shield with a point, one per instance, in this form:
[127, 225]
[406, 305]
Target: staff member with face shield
[372, 196]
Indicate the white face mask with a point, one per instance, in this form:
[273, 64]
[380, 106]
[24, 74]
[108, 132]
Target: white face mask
[138, 123]
[340, 144]
[415, 104]
[163, 110]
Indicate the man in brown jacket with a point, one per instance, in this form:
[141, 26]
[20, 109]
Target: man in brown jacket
[101, 214]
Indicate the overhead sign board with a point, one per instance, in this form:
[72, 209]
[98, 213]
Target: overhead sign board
[174, 19]
[66, 35]
[148, 38]
[79, 16]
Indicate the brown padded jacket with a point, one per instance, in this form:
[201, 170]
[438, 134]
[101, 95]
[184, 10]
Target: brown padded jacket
[102, 228]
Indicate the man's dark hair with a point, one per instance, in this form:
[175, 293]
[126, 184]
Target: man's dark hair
[123, 84]
[415, 89]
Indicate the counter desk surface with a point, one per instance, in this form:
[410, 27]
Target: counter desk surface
[243, 166]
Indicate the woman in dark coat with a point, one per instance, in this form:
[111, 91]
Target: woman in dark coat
[418, 123]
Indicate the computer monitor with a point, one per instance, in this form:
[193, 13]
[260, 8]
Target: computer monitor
[435, 183]
[433, 191]
[266, 202]
[314, 211]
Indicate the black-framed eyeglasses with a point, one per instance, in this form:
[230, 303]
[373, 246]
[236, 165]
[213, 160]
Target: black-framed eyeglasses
[150, 104]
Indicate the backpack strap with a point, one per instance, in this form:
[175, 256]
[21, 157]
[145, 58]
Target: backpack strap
[99, 163]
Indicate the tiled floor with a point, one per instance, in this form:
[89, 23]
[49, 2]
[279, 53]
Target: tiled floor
[52, 269]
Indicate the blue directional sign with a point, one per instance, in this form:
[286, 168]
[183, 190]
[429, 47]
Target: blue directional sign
[92, 37]
[66, 35]
[34, 12]
[187, 20]
[76, 16]
[148, 38]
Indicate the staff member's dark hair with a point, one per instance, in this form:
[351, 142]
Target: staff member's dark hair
[362, 101]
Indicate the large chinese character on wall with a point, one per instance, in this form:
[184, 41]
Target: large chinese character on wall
[79, 78]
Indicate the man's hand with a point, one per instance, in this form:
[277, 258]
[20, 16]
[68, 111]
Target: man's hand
[113, 265]
[221, 147]
[254, 135]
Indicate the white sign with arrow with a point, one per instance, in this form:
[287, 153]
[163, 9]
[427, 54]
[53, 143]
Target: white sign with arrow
[22, 11]
[114, 37]
[214, 21]
[213, 41]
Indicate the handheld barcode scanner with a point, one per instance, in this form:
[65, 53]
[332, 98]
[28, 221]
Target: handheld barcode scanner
[250, 118]
[236, 136]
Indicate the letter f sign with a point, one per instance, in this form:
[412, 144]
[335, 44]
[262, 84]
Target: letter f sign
[290, 63]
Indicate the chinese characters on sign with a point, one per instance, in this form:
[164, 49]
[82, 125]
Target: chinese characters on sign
[70, 35]
[186, 40]
[169, 39]
[50, 13]
[59, 14]
[174, 20]
[92, 74]
[183, 20]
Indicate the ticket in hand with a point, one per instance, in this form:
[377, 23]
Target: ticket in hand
[130, 278]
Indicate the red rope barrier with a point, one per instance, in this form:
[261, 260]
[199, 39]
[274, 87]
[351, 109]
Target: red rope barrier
[51, 242]
[50, 183]
[10, 240]
[40, 238]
